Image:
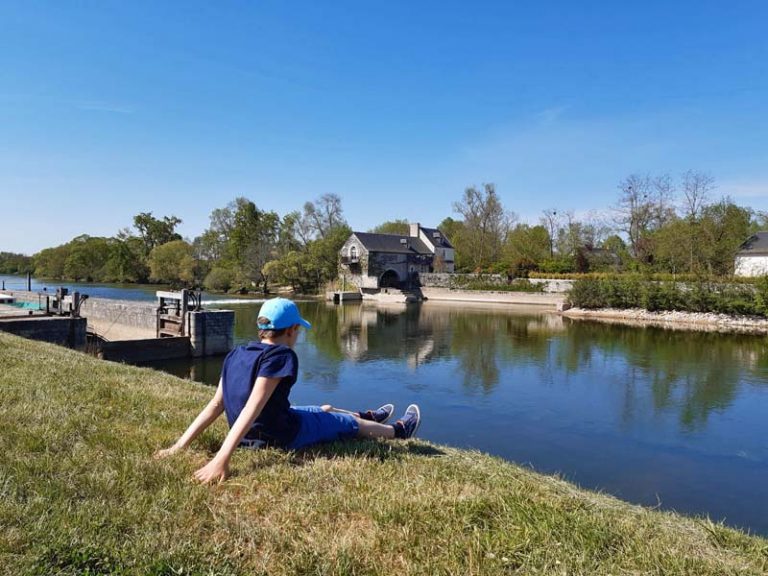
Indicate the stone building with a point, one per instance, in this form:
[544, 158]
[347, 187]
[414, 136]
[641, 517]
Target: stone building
[394, 260]
[752, 257]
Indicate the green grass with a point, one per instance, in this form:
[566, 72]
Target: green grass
[81, 494]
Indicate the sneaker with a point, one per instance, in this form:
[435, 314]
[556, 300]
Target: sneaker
[407, 425]
[380, 415]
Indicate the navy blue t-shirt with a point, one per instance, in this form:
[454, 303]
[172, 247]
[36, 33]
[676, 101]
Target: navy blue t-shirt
[276, 424]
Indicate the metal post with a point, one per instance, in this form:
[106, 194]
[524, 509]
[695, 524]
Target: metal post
[29, 281]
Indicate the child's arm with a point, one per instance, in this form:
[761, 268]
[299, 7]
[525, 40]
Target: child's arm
[206, 417]
[218, 467]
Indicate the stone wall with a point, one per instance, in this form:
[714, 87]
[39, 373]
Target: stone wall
[63, 330]
[211, 332]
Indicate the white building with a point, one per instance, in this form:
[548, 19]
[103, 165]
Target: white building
[752, 258]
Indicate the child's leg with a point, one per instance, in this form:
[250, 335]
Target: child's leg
[380, 415]
[329, 408]
[370, 429]
[366, 428]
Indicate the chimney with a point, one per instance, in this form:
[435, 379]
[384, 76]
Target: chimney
[413, 229]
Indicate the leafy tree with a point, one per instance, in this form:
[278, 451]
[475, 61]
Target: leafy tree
[392, 227]
[725, 227]
[86, 259]
[454, 230]
[154, 232]
[125, 262]
[173, 263]
[526, 242]
[11, 263]
[253, 241]
[49, 262]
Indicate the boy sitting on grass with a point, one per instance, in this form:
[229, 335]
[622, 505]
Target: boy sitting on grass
[253, 391]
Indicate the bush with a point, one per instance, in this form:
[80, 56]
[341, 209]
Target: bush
[633, 292]
[761, 296]
[557, 265]
[219, 279]
[587, 293]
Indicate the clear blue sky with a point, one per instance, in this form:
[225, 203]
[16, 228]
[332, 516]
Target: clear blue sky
[112, 108]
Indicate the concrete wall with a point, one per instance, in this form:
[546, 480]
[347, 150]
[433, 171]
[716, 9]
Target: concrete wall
[63, 330]
[134, 351]
[211, 332]
[125, 312]
[486, 297]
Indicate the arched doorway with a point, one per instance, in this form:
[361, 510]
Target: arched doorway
[389, 279]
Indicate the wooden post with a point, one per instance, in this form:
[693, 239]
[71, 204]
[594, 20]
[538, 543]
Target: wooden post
[29, 281]
[184, 297]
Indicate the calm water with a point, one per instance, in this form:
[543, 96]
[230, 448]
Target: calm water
[652, 416]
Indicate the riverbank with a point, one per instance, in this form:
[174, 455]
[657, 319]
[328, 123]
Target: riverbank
[674, 320]
[81, 494]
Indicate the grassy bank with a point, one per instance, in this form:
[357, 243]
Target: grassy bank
[80, 494]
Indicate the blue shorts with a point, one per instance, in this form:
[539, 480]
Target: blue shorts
[318, 426]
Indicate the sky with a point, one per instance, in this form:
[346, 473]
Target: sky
[112, 108]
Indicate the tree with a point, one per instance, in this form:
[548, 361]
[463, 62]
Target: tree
[645, 204]
[252, 242]
[125, 262]
[486, 224]
[11, 263]
[86, 259]
[454, 230]
[154, 232]
[697, 187]
[551, 221]
[173, 263]
[725, 226]
[322, 216]
[49, 262]
[400, 227]
[526, 245]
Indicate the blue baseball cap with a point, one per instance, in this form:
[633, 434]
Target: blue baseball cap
[282, 313]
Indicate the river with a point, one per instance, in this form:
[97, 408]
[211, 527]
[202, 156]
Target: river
[653, 416]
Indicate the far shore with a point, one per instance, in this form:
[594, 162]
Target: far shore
[674, 320]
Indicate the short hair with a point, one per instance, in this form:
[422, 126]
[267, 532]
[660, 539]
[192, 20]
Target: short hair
[268, 333]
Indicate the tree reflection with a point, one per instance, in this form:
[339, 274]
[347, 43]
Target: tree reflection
[694, 373]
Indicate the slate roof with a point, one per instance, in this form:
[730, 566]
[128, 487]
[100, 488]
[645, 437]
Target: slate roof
[755, 245]
[441, 242]
[391, 243]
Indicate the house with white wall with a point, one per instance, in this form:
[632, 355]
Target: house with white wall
[752, 257]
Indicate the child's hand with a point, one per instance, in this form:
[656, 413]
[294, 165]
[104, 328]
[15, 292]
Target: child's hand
[165, 452]
[214, 471]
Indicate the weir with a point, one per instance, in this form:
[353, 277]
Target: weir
[176, 326]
